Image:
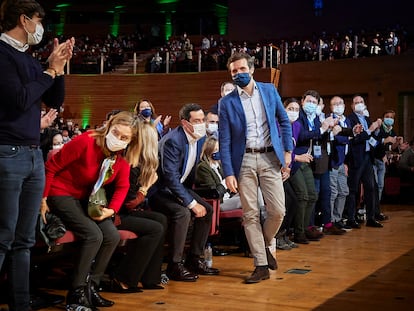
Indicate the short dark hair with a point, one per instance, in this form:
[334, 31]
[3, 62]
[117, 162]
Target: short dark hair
[388, 111]
[186, 109]
[290, 100]
[312, 93]
[11, 10]
[240, 55]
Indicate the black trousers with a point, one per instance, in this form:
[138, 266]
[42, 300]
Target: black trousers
[143, 259]
[179, 218]
[98, 240]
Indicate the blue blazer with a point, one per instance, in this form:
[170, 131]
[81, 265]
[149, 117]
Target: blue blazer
[233, 127]
[173, 154]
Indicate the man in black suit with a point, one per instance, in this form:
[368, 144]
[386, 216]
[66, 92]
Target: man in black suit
[360, 162]
[179, 153]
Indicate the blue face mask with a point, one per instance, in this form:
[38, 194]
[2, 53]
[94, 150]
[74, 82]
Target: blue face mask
[147, 112]
[309, 108]
[241, 79]
[388, 122]
[216, 156]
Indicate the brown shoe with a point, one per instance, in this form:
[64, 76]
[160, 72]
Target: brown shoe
[259, 274]
[271, 261]
[177, 272]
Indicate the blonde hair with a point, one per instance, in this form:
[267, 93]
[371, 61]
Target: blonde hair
[208, 148]
[147, 148]
[124, 118]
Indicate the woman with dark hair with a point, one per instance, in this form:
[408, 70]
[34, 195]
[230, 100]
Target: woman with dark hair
[146, 110]
[24, 85]
[105, 153]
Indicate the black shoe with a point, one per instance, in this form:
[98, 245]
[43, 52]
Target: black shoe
[177, 272]
[198, 266]
[353, 224]
[116, 287]
[259, 274]
[374, 224]
[152, 286]
[381, 217]
[96, 299]
[300, 239]
[271, 261]
[77, 298]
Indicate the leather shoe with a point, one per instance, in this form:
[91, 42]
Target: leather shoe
[381, 217]
[271, 261]
[199, 266]
[259, 274]
[116, 287]
[152, 286]
[96, 299]
[374, 224]
[353, 224]
[177, 272]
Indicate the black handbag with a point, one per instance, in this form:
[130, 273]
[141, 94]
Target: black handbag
[52, 230]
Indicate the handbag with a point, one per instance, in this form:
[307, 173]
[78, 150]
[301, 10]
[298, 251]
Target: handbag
[52, 230]
[97, 200]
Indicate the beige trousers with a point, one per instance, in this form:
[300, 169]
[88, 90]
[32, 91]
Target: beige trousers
[261, 170]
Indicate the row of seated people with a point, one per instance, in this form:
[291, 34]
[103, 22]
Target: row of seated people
[101, 152]
[215, 51]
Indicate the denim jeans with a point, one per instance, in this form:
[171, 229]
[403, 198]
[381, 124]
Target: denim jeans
[21, 189]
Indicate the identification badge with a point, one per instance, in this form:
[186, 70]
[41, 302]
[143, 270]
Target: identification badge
[317, 151]
[373, 142]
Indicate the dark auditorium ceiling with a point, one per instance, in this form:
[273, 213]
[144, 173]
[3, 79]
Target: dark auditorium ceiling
[128, 5]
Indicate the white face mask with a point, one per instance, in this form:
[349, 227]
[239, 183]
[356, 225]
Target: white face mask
[292, 115]
[114, 144]
[212, 128]
[359, 107]
[37, 36]
[55, 147]
[339, 110]
[365, 112]
[199, 130]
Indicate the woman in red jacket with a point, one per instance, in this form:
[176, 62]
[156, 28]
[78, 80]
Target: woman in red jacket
[70, 177]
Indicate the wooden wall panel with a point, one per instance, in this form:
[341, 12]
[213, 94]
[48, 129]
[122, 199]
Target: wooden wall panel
[381, 79]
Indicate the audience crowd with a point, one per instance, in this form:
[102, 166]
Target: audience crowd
[183, 51]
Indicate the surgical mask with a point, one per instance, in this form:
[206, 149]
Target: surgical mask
[309, 108]
[388, 122]
[318, 110]
[365, 112]
[55, 147]
[339, 110]
[242, 79]
[199, 130]
[216, 156]
[360, 107]
[292, 115]
[37, 36]
[212, 128]
[146, 113]
[114, 144]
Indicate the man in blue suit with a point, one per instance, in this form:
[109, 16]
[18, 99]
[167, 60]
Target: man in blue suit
[179, 153]
[255, 146]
